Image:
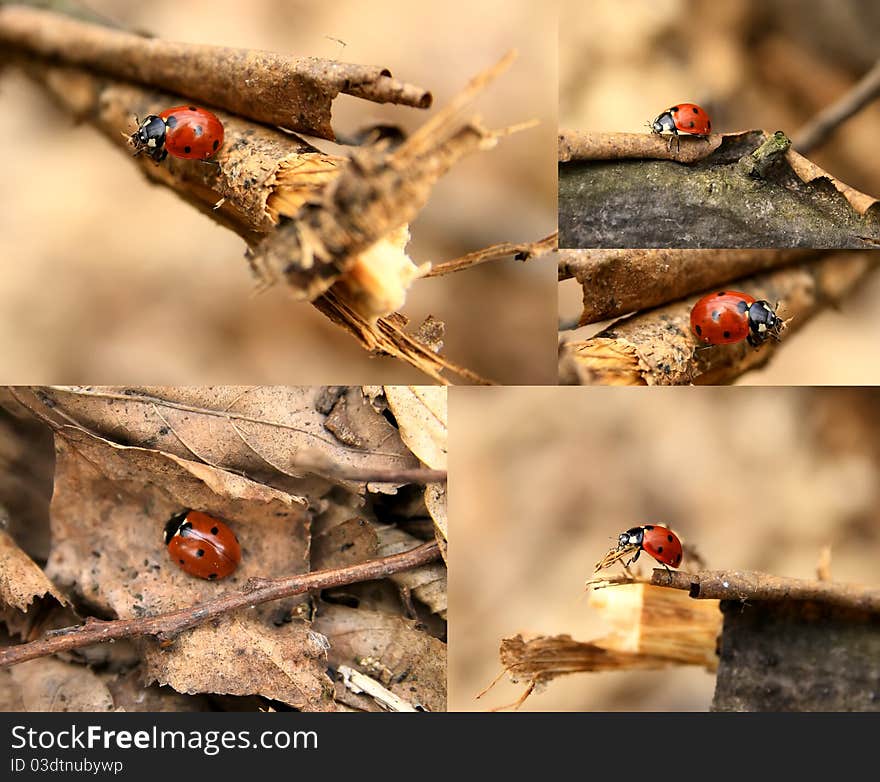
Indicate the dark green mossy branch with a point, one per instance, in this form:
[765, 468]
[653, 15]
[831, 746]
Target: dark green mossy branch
[752, 191]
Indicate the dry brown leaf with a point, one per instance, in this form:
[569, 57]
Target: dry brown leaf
[389, 649]
[265, 432]
[108, 512]
[427, 583]
[421, 414]
[239, 655]
[49, 684]
[808, 172]
[21, 579]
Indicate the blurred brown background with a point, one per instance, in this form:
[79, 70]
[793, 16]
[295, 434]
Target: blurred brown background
[106, 278]
[545, 479]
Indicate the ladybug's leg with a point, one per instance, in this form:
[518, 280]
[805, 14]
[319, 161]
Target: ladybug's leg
[635, 557]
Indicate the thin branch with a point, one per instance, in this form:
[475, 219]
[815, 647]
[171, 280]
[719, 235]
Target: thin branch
[749, 585]
[583, 145]
[522, 251]
[270, 88]
[386, 336]
[827, 121]
[166, 627]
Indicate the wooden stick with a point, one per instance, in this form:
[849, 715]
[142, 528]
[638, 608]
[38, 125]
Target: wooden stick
[749, 585]
[522, 251]
[166, 627]
[274, 89]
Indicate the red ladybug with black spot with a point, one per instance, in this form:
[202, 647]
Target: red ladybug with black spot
[659, 542]
[202, 545]
[733, 316]
[687, 118]
[187, 132]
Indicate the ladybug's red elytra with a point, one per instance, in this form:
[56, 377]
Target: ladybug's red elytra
[661, 543]
[688, 118]
[202, 545]
[183, 131]
[733, 316]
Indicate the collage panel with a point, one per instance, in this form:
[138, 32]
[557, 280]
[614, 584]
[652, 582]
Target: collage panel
[296, 253]
[718, 317]
[699, 549]
[223, 549]
[699, 124]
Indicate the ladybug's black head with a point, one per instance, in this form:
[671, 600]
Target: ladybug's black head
[664, 122]
[175, 524]
[150, 138]
[764, 323]
[632, 537]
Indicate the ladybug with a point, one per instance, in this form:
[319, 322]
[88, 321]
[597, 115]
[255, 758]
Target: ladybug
[661, 543]
[733, 316]
[202, 545]
[686, 118]
[183, 131]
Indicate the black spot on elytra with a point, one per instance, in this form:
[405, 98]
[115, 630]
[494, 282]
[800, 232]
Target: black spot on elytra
[180, 560]
[721, 293]
[699, 331]
[198, 130]
[709, 124]
[216, 144]
[212, 576]
[677, 559]
[659, 549]
[187, 149]
[214, 530]
[171, 121]
[693, 124]
[193, 108]
[669, 538]
[200, 552]
[696, 110]
[726, 335]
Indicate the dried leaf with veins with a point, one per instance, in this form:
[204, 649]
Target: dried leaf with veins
[262, 431]
[421, 414]
[108, 513]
